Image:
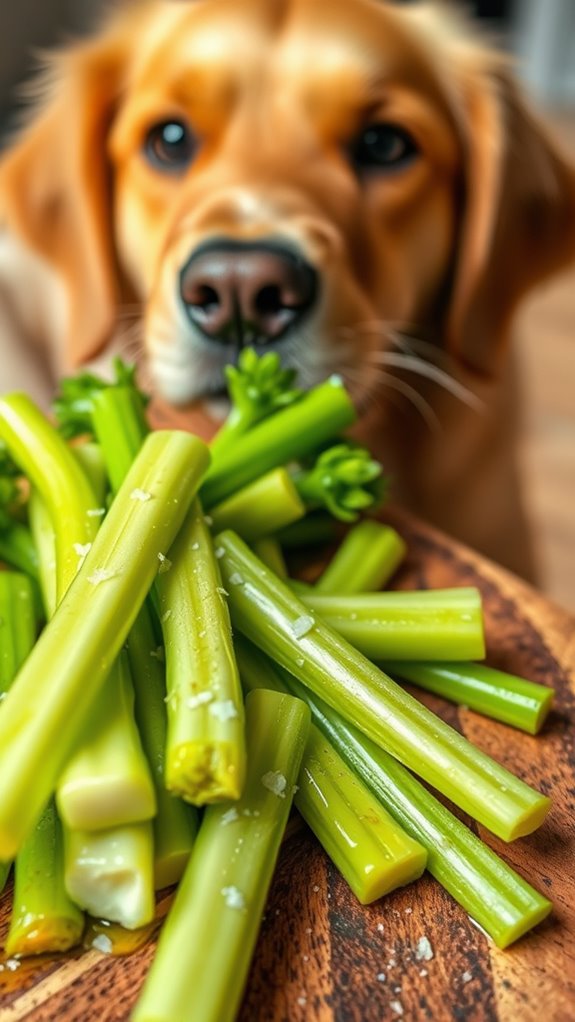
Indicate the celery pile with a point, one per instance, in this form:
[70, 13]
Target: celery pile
[139, 766]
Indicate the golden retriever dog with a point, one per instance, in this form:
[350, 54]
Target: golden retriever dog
[356, 184]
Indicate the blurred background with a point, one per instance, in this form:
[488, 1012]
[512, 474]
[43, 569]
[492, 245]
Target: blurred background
[541, 34]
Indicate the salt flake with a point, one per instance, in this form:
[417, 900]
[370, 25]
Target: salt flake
[165, 564]
[103, 943]
[141, 495]
[396, 1007]
[224, 709]
[302, 625]
[275, 782]
[236, 579]
[82, 549]
[234, 898]
[423, 950]
[199, 700]
[100, 575]
[230, 817]
[96, 512]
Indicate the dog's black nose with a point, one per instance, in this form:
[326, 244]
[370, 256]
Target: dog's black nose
[247, 292]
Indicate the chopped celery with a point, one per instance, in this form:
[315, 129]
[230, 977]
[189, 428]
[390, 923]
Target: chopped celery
[495, 694]
[373, 854]
[435, 624]
[268, 613]
[290, 434]
[364, 562]
[120, 427]
[260, 508]
[175, 823]
[218, 908]
[107, 782]
[74, 653]
[110, 873]
[205, 752]
[496, 897]
[43, 916]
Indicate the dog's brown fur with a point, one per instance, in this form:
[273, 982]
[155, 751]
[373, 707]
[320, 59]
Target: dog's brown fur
[421, 269]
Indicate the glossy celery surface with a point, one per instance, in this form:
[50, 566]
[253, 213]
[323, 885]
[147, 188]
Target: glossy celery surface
[43, 916]
[107, 782]
[435, 624]
[120, 427]
[205, 948]
[175, 823]
[373, 854]
[495, 694]
[261, 508]
[494, 895]
[268, 613]
[365, 560]
[270, 552]
[17, 637]
[290, 434]
[74, 653]
[110, 873]
[44, 539]
[49, 464]
[205, 749]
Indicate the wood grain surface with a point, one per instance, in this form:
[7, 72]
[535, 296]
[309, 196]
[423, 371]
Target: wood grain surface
[321, 957]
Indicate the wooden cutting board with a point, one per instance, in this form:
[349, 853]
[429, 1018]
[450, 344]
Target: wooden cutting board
[321, 957]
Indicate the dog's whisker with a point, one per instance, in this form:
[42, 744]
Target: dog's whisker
[413, 364]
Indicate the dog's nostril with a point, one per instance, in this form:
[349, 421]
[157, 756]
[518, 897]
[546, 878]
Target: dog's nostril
[202, 296]
[269, 299]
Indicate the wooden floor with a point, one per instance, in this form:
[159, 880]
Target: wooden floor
[546, 328]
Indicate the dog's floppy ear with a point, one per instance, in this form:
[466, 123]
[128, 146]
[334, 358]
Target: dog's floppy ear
[54, 189]
[518, 224]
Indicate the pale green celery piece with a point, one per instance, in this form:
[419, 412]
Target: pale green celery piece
[495, 694]
[261, 508]
[315, 530]
[17, 637]
[43, 534]
[90, 459]
[268, 613]
[434, 624]
[373, 854]
[50, 465]
[79, 644]
[494, 895]
[290, 434]
[110, 873]
[120, 426]
[206, 945]
[175, 823]
[43, 919]
[106, 782]
[367, 558]
[270, 552]
[205, 750]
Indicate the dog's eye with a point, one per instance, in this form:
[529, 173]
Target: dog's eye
[170, 145]
[384, 146]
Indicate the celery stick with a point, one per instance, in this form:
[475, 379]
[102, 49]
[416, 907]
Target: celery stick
[175, 823]
[89, 457]
[43, 916]
[270, 552]
[218, 907]
[78, 646]
[17, 549]
[268, 613]
[260, 508]
[372, 853]
[205, 752]
[120, 426]
[291, 433]
[364, 562]
[42, 531]
[496, 897]
[17, 637]
[110, 873]
[436, 624]
[51, 467]
[106, 782]
[495, 694]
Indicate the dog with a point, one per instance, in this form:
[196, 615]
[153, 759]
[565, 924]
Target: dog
[357, 185]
